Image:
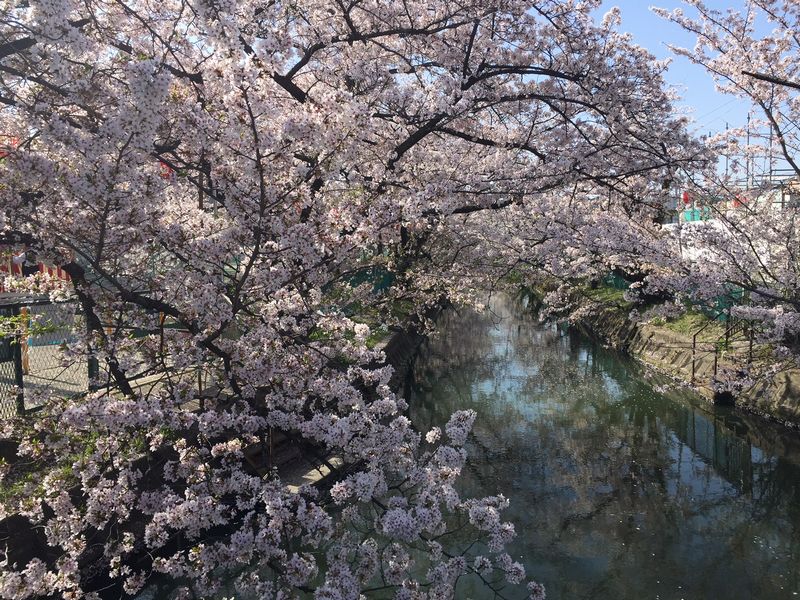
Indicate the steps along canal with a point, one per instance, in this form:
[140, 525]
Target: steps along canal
[618, 490]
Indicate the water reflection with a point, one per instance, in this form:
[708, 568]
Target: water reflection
[618, 491]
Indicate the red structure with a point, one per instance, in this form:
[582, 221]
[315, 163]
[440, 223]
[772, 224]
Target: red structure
[16, 263]
[7, 144]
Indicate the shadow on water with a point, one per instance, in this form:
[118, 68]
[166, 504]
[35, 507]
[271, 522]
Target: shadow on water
[618, 490]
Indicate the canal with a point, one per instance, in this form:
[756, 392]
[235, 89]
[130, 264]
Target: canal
[620, 486]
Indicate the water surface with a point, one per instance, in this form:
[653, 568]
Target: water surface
[619, 488]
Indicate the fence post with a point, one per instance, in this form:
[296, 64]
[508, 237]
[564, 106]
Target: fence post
[19, 377]
[94, 372]
[93, 366]
[728, 333]
[23, 341]
[716, 356]
[200, 389]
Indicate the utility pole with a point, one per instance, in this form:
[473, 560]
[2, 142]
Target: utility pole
[727, 156]
[771, 102]
[747, 149]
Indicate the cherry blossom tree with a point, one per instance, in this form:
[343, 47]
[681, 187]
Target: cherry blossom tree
[751, 242]
[217, 177]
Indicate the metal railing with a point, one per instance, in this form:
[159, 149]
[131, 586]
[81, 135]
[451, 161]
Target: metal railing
[733, 328]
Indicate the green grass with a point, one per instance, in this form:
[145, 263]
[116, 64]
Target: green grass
[376, 316]
[690, 322]
[375, 337]
[608, 295]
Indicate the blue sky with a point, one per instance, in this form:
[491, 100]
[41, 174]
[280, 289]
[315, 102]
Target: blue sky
[711, 110]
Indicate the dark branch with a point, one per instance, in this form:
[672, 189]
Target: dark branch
[23, 44]
[772, 79]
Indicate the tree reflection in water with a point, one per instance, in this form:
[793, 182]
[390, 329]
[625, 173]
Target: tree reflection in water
[618, 491]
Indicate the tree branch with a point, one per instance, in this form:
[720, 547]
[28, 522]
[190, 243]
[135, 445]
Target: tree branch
[772, 79]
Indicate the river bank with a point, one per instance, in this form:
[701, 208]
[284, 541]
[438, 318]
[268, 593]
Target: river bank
[722, 376]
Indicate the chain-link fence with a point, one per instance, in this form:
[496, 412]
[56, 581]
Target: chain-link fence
[34, 356]
[39, 359]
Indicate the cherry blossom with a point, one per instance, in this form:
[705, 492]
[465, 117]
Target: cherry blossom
[243, 194]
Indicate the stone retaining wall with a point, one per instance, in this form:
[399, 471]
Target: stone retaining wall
[774, 395]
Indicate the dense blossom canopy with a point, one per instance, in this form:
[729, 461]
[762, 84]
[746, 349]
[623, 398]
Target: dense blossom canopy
[219, 177]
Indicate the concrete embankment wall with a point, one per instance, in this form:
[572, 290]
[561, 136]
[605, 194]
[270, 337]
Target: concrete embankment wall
[400, 349]
[774, 395]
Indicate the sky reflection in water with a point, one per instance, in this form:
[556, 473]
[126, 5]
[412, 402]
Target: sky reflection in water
[617, 490]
